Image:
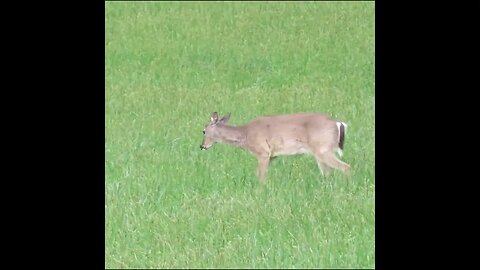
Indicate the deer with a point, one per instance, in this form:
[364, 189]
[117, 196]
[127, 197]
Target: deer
[270, 136]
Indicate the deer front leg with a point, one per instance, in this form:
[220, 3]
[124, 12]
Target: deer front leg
[263, 162]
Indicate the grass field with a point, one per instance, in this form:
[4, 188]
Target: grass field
[168, 66]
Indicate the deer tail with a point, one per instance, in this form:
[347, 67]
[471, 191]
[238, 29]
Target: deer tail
[342, 128]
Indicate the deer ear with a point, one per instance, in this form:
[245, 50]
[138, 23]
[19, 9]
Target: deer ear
[214, 117]
[224, 119]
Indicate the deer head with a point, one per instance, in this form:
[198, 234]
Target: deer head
[210, 133]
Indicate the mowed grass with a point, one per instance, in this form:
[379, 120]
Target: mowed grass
[168, 65]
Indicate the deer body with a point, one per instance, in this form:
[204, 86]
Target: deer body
[290, 134]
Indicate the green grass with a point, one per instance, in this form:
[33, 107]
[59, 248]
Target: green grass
[168, 66]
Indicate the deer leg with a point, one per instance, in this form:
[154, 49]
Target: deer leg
[331, 160]
[324, 168]
[263, 162]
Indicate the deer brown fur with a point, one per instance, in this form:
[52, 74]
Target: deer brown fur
[288, 134]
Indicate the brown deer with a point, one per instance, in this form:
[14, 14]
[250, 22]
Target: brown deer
[288, 134]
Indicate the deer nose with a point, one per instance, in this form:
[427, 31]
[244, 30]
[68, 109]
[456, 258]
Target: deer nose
[201, 147]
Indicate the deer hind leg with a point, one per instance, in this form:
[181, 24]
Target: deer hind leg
[324, 168]
[329, 158]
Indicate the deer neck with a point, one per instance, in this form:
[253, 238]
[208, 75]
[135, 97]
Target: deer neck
[232, 135]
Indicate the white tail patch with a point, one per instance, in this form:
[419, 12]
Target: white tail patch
[339, 124]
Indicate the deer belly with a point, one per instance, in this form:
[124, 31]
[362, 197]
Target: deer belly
[289, 147]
